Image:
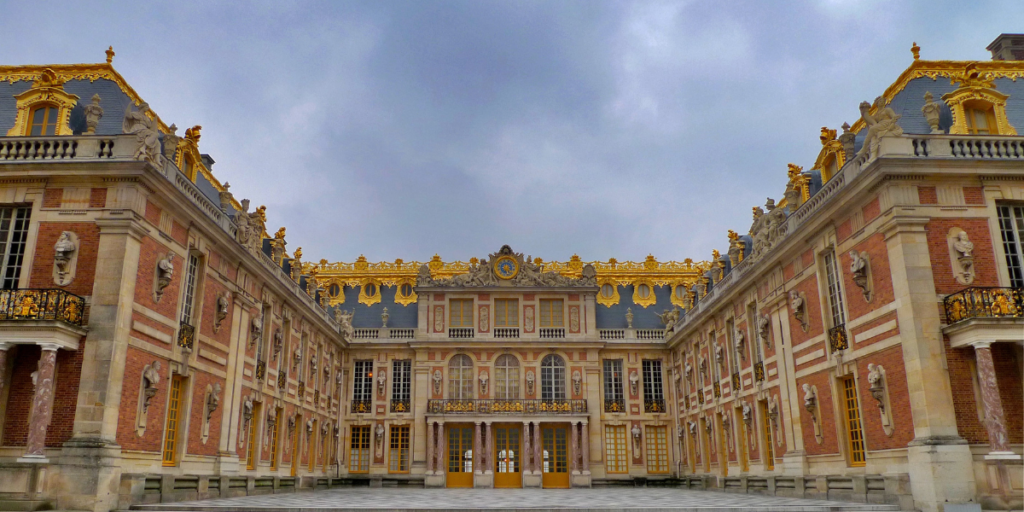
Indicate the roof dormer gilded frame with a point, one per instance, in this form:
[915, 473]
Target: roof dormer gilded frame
[832, 156]
[47, 89]
[975, 86]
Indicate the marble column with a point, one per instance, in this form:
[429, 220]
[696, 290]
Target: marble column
[995, 420]
[586, 448]
[489, 450]
[574, 448]
[430, 448]
[42, 404]
[3, 366]
[442, 457]
[477, 448]
[538, 450]
[525, 455]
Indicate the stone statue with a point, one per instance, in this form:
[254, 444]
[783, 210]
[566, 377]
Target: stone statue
[345, 319]
[484, 376]
[747, 414]
[629, 318]
[63, 251]
[150, 380]
[859, 272]
[931, 111]
[437, 382]
[296, 358]
[255, 329]
[171, 140]
[963, 245]
[762, 329]
[577, 382]
[810, 400]
[634, 383]
[93, 112]
[146, 133]
[797, 304]
[847, 139]
[669, 317]
[277, 246]
[212, 401]
[382, 379]
[278, 342]
[883, 123]
[222, 311]
[164, 274]
[964, 257]
[739, 340]
[384, 318]
[876, 375]
[693, 428]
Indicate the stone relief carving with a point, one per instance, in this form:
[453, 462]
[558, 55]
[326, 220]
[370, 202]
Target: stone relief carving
[811, 404]
[485, 318]
[740, 338]
[146, 134]
[883, 123]
[484, 376]
[574, 319]
[384, 316]
[382, 380]
[629, 318]
[163, 275]
[860, 270]
[437, 382]
[529, 274]
[528, 319]
[529, 382]
[762, 331]
[221, 310]
[438, 318]
[64, 258]
[963, 256]
[255, 329]
[767, 229]
[93, 112]
[798, 305]
[577, 382]
[634, 382]
[931, 111]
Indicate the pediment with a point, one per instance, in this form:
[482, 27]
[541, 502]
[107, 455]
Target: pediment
[507, 268]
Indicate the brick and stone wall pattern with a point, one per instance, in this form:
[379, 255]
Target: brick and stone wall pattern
[985, 273]
[150, 253]
[127, 436]
[899, 401]
[85, 270]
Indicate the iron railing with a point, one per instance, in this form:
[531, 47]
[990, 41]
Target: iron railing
[362, 406]
[838, 340]
[261, 369]
[282, 379]
[615, 405]
[717, 389]
[759, 371]
[42, 304]
[736, 383]
[401, 405]
[301, 391]
[186, 336]
[987, 302]
[563, 406]
[654, 405]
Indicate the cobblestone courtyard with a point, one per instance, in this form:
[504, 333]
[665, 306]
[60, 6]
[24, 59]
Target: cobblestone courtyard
[495, 500]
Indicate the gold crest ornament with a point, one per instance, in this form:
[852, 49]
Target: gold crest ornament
[506, 267]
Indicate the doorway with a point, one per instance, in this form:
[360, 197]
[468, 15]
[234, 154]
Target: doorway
[555, 441]
[507, 457]
[460, 457]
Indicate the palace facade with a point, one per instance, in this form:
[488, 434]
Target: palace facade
[862, 340]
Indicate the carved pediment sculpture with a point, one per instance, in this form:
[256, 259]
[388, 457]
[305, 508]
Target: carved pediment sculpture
[508, 268]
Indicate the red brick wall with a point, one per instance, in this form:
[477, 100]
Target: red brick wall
[153, 213]
[197, 412]
[149, 254]
[65, 396]
[1008, 378]
[98, 198]
[899, 401]
[19, 397]
[52, 197]
[812, 310]
[871, 210]
[830, 443]
[85, 270]
[152, 441]
[964, 404]
[881, 278]
[927, 195]
[984, 257]
[974, 195]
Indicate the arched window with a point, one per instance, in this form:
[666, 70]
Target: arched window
[506, 377]
[43, 120]
[460, 378]
[552, 378]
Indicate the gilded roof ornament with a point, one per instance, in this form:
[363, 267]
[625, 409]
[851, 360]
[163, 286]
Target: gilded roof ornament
[192, 134]
[733, 235]
[827, 135]
[262, 213]
[110, 54]
[915, 51]
[280, 234]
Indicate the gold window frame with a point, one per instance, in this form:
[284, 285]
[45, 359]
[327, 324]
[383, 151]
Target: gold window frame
[48, 90]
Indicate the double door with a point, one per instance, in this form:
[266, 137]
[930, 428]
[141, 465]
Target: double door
[555, 456]
[460, 457]
[508, 457]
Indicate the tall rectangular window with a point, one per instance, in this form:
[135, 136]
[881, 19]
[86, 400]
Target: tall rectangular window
[654, 399]
[657, 449]
[174, 416]
[191, 277]
[359, 450]
[551, 313]
[613, 399]
[768, 440]
[615, 449]
[252, 442]
[835, 292]
[461, 314]
[398, 451]
[753, 327]
[362, 386]
[275, 439]
[506, 312]
[1011, 226]
[401, 385]
[13, 234]
[854, 434]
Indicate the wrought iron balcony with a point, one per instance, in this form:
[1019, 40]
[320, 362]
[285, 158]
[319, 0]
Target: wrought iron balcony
[562, 406]
[186, 336]
[654, 405]
[615, 405]
[261, 369]
[401, 406]
[301, 392]
[978, 302]
[282, 379]
[362, 406]
[838, 339]
[759, 371]
[735, 383]
[717, 389]
[42, 304]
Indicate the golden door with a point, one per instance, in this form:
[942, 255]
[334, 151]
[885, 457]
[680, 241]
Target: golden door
[460, 457]
[507, 457]
[555, 441]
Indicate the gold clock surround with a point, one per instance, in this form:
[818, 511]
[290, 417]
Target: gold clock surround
[515, 267]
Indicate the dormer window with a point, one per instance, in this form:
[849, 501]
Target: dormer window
[981, 118]
[43, 121]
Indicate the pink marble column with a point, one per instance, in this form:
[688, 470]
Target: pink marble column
[574, 447]
[995, 420]
[477, 449]
[489, 451]
[525, 455]
[42, 402]
[538, 449]
[586, 447]
[3, 366]
[442, 457]
[430, 447]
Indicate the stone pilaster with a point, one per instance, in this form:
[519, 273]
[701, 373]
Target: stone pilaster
[42, 405]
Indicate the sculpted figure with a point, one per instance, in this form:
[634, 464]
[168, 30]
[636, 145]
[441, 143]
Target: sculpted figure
[171, 140]
[145, 131]
[212, 401]
[222, 311]
[796, 303]
[437, 382]
[964, 248]
[63, 250]
[93, 112]
[345, 319]
[963, 245]
[931, 110]
[884, 123]
[164, 274]
[875, 376]
[150, 380]
[859, 271]
[810, 401]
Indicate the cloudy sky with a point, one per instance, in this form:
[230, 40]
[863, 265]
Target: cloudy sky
[607, 129]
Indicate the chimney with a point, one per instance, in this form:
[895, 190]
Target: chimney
[1007, 47]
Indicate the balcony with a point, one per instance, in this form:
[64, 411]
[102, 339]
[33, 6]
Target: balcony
[504, 332]
[654, 405]
[401, 406]
[759, 371]
[615, 405]
[362, 406]
[42, 316]
[838, 340]
[552, 332]
[461, 332]
[984, 314]
[717, 389]
[736, 383]
[282, 379]
[516, 406]
[261, 370]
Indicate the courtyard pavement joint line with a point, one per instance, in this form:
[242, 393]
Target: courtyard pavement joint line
[349, 499]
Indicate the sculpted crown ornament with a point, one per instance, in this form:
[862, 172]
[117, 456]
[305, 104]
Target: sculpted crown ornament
[507, 268]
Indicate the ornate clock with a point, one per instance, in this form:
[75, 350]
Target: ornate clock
[506, 267]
